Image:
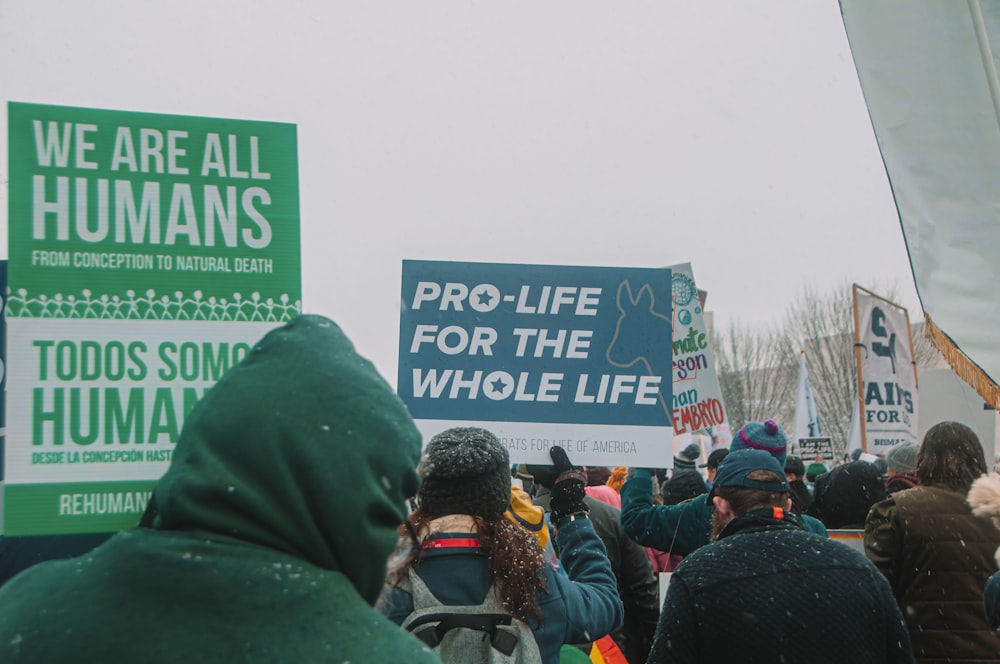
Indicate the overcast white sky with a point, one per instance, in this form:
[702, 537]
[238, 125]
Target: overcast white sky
[727, 134]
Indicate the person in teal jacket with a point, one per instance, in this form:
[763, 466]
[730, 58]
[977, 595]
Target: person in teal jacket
[462, 547]
[683, 528]
[273, 525]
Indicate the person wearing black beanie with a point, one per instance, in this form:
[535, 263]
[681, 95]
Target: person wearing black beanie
[459, 544]
[464, 471]
[685, 482]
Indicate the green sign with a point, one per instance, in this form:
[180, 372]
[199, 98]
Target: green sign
[147, 254]
[118, 215]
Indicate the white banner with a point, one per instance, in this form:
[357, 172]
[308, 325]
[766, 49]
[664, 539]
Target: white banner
[887, 374]
[697, 397]
[806, 417]
[928, 71]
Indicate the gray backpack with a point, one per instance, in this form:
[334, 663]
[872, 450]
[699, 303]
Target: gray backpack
[469, 634]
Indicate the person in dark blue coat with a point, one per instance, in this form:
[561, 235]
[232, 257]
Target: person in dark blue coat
[768, 591]
[991, 601]
[460, 545]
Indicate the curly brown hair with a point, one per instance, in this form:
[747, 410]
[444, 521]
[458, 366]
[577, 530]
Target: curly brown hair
[514, 554]
[950, 456]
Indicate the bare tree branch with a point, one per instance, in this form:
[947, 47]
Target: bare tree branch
[756, 381]
[758, 371]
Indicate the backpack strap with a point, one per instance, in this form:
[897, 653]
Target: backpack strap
[488, 622]
[502, 640]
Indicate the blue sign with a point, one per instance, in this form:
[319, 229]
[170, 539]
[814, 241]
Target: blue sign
[541, 355]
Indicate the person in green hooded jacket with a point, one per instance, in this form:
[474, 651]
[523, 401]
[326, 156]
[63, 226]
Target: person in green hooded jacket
[273, 525]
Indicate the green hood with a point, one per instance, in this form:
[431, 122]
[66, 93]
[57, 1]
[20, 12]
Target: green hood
[302, 447]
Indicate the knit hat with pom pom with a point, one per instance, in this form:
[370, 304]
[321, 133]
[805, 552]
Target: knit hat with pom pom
[767, 436]
[464, 470]
[687, 457]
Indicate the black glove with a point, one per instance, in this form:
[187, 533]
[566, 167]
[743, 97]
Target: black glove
[568, 489]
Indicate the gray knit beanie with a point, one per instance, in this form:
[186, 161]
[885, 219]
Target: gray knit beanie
[687, 457]
[902, 458]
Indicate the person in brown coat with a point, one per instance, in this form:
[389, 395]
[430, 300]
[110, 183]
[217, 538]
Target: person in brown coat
[936, 554]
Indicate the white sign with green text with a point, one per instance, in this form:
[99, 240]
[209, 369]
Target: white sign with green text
[147, 254]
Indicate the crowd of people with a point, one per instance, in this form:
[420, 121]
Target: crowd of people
[302, 520]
